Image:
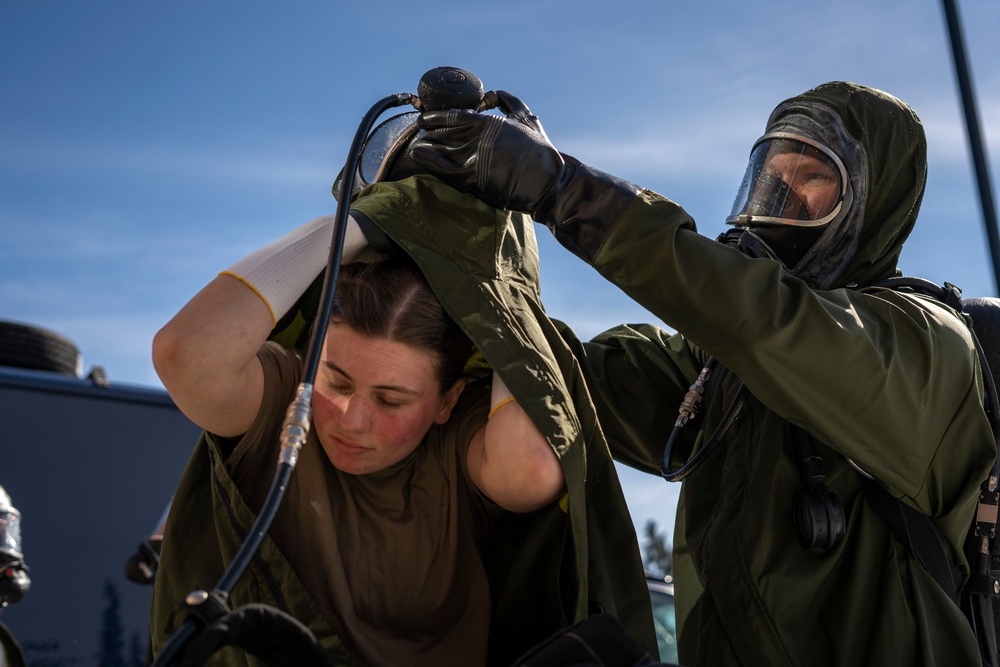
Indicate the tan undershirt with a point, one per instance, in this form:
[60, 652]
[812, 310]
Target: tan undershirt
[393, 559]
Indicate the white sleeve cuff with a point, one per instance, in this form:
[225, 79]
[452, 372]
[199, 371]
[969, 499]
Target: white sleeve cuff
[280, 272]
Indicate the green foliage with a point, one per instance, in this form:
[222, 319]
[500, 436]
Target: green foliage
[112, 646]
[657, 555]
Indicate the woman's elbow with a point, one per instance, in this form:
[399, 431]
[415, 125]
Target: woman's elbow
[176, 358]
[541, 482]
[551, 483]
[167, 352]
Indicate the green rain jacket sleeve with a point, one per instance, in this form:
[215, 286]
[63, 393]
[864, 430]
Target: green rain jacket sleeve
[638, 375]
[887, 380]
[483, 266]
[911, 366]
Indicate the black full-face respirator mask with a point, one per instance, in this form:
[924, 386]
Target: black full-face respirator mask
[794, 187]
[384, 156]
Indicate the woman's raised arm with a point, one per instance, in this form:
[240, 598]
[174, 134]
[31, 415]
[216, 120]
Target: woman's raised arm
[510, 460]
[206, 355]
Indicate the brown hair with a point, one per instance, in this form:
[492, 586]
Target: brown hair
[389, 298]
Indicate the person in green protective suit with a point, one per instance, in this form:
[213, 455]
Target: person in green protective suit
[519, 529]
[823, 377]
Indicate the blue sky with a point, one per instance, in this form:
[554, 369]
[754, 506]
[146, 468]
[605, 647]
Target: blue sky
[146, 146]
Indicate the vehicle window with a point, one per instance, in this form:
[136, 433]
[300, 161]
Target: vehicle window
[665, 625]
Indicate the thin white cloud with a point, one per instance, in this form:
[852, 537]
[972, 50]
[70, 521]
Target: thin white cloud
[255, 167]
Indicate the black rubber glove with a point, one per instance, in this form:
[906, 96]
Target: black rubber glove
[510, 163]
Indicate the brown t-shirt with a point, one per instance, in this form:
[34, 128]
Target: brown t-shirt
[392, 559]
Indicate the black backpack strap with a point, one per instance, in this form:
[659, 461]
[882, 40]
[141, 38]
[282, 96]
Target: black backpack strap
[981, 593]
[948, 295]
[914, 529]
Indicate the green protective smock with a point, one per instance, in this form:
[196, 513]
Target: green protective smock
[549, 568]
[886, 379]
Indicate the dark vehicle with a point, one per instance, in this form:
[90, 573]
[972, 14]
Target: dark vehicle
[90, 466]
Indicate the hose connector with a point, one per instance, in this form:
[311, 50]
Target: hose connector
[296, 425]
[692, 400]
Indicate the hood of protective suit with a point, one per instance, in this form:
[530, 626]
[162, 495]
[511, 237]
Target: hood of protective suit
[881, 143]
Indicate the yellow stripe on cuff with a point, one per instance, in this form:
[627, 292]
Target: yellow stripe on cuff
[498, 406]
[274, 320]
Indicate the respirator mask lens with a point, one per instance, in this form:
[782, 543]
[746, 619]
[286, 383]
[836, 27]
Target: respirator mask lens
[381, 150]
[790, 180]
[384, 143]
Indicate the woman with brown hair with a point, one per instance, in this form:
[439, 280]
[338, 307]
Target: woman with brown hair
[380, 542]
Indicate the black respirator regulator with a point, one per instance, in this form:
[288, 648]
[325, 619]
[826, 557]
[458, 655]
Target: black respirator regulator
[384, 155]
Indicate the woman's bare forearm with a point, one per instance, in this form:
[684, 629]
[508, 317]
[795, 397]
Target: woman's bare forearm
[206, 356]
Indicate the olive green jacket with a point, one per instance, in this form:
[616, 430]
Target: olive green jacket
[887, 380]
[208, 522]
[549, 568]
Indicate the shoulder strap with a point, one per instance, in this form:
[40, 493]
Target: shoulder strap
[949, 294]
[910, 526]
[915, 530]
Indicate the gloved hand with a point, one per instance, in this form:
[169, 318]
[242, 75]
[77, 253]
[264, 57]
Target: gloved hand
[510, 163]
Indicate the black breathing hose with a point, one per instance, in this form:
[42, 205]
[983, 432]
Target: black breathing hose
[689, 408]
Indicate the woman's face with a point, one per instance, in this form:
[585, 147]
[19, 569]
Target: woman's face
[374, 400]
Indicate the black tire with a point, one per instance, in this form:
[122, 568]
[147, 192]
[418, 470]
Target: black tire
[24, 346]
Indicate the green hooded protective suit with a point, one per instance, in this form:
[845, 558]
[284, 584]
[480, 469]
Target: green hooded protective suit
[887, 380]
[549, 568]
